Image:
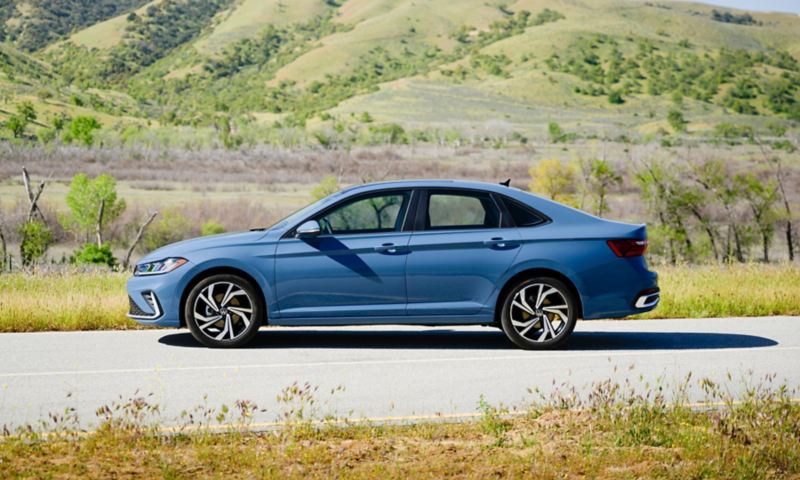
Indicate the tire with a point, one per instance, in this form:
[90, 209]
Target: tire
[224, 311]
[526, 323]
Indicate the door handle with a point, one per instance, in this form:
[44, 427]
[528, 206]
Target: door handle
[386, 248]
[497, 242]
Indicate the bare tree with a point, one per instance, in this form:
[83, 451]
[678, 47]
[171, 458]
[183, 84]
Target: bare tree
[33, 195]
[137, 239]
[776, 162]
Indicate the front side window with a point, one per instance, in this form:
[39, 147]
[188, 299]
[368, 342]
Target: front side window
[377, 213]
[457, 210]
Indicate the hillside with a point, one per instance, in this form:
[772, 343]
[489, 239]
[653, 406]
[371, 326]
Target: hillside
[472, 66]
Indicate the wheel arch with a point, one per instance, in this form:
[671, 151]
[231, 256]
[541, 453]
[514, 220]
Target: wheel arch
[199, 276]
[531, 273]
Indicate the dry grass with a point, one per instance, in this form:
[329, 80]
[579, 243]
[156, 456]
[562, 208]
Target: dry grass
[747, 290]
[616, 433]
[94, 301]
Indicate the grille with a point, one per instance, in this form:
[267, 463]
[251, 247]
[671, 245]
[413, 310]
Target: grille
[135, 310]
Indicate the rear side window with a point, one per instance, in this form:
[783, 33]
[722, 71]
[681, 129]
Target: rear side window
[522, 215]
[458, 210]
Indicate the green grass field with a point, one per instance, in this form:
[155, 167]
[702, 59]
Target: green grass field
[96, 301]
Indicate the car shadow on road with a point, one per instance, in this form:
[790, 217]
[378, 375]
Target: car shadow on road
[449, 339]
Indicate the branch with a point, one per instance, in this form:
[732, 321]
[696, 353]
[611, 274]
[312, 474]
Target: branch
[136, 240]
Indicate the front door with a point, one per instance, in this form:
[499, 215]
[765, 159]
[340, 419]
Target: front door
[354, 268]
[458, 253]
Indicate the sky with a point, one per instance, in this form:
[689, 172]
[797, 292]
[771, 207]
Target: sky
[761, 5]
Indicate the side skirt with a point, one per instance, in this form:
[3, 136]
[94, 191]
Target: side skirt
[429, 320]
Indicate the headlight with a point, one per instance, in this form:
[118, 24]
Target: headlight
[161, 266]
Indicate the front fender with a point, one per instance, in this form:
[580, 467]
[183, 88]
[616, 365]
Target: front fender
[259, 268]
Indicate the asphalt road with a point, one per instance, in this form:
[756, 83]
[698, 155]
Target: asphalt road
[400, 373]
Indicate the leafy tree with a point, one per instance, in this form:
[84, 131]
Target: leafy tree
[366, 118]
[677, 121]
[553, 178]
[615, 97]
[81, 130]
[17, 124]
[602, 177]
[84, 198]
[327, 186]
[762, 198]
[27, 111]
[36, 239]
[93, 254]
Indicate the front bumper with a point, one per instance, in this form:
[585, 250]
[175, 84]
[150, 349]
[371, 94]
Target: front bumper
[155, 300]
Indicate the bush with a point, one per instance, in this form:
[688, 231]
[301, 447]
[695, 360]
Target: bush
[170, 228]
[211, 228]
[36, 239]
[92, 254]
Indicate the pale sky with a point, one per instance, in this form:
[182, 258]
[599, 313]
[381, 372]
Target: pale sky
[762, 5]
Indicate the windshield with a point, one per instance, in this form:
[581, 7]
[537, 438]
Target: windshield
[303, 212]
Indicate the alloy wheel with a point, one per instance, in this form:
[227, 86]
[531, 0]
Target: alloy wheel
[223, 311]
[539, 312]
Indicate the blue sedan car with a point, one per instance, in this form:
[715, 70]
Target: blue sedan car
[428, 252]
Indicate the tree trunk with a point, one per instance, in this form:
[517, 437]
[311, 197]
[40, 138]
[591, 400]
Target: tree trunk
[4, 253]
[99, 226]
[789, 237]
[136, 240]
[765, 239]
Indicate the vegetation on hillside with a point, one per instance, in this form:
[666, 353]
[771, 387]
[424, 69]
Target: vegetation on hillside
[158, 75]
[46, 21]
[755, 83]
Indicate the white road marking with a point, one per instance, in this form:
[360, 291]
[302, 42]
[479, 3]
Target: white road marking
[536, 356]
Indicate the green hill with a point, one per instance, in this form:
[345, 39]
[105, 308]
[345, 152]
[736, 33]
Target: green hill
[475, 65]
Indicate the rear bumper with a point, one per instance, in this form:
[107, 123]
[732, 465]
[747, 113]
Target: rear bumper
[647, 299]
[630, 292]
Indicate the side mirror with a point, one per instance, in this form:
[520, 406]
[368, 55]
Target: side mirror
[308, 229]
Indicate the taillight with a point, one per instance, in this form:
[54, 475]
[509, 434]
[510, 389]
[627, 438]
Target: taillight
[628, 247]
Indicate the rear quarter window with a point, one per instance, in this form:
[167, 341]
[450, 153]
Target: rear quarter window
[523, 215]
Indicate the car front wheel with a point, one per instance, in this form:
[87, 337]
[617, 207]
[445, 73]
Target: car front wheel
[539, 313]
[223, 311]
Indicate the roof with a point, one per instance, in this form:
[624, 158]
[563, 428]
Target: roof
[422, 183]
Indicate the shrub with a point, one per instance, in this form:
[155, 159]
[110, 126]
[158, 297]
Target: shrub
[92, 254]
[211, 228]
[327, 186]
[171, 227]
[36, 239]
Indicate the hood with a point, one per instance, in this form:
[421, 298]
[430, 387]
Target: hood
[186, 247]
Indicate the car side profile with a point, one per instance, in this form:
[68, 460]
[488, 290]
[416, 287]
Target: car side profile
[424, 252]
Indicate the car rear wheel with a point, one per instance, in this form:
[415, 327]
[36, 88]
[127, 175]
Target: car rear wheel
[223, 311]
[539, 313]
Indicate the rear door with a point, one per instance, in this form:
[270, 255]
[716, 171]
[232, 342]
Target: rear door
[461, 246]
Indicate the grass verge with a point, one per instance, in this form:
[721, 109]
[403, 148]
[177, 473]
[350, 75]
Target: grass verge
[95, 301]
[614, 433]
